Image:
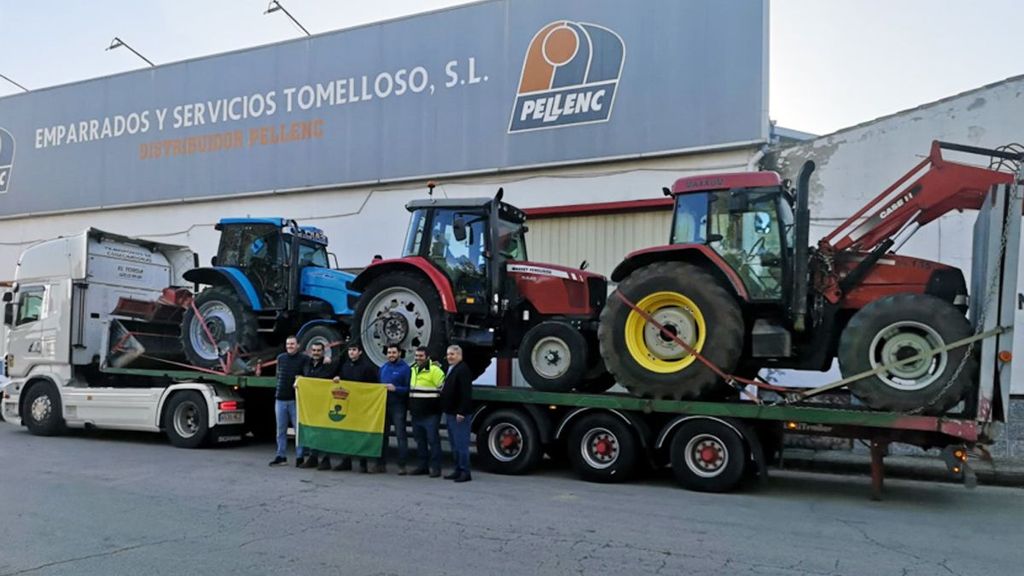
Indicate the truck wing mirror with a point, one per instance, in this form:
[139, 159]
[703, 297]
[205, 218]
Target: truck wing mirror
[459, 229]
[8, 297]
[8, 313]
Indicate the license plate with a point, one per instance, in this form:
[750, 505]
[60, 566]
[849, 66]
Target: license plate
[234, 417]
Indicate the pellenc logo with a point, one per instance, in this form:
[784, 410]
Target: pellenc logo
[6, 159]
[570, 74]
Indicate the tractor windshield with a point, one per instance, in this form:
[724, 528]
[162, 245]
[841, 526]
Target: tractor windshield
[690, 221]
[745, 229]
[511, 240]
[246, 245]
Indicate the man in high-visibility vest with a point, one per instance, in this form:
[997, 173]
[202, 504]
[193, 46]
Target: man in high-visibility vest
[425, 384]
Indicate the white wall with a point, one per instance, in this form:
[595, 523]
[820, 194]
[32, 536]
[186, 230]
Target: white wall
[856, 164]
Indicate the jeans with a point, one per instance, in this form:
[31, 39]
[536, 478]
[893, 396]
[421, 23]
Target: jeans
[428, 440]
[396, 417]
[284, 411]
[458, 437]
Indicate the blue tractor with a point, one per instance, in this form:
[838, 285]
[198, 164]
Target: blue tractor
[270, 278]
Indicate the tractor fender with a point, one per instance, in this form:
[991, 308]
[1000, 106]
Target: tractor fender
[415, 264]
[698, 254]
[226, 276]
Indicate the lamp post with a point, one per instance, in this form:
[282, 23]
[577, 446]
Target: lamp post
[274, 6]
[118, 43]
[13, 82]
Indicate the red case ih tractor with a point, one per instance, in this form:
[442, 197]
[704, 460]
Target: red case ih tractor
[464, 278]
[739, 284]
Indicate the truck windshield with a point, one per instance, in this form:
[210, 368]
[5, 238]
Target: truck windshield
[511, 240]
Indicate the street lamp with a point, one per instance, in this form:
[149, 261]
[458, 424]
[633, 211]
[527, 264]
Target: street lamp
[117, 43]
[274, 6]
[13, 82]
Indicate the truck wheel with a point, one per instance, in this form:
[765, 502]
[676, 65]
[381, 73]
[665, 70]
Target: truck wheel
[689, 302]
[231, 324]
[902, 326]
[553, 356]
[326, 335]
[404, 309]
[42, 412]
[602, 448]
[186, 420]
[508, 442]
[707, 456]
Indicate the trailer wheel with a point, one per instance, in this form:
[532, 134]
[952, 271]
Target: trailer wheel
[404, 309]
[689, 302]
[508, 442]
[707, 456]
[186, 419]
[42, 411]
[326, 335]
[602, 448]
[902, 326]
[553, 356]
[227, 320]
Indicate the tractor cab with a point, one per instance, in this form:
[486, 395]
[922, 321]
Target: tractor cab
[271, 254]
[469, 240]
[747, 220]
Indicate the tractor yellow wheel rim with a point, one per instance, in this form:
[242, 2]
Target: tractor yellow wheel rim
[653, 350]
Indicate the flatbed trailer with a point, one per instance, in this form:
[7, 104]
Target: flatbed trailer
[710, 446]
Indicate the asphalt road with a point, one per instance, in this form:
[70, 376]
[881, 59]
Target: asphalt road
[127, 504]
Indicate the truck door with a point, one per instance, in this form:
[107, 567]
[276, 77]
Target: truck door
[25, 335]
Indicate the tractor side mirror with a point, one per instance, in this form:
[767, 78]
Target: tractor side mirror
[459, 230]
[584, 265]
[213, 261]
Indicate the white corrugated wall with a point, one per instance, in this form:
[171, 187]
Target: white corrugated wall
[602, 240]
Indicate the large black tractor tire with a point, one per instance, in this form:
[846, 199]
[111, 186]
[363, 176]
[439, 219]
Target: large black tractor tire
[597, 380]
[688, 301]
[42, 412]
[326, 335]
[400, 308]
[553, 356]
[899, 327]
[228, 320]
[477, 359]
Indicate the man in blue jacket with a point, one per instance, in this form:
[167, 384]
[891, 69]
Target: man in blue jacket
[395, 375]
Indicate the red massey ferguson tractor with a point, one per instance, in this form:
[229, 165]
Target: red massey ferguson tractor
[740, 286]
[464, 278]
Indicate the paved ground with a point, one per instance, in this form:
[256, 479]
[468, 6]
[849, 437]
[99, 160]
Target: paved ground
[112, 504]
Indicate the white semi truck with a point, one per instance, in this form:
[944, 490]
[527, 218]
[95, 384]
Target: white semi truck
[68, 306]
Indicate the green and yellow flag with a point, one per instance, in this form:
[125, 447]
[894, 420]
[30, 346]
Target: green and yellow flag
[342, 418]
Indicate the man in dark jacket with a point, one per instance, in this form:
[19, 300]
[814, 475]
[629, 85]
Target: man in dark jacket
[357, 368]
[319, 367]
[289, 365]
[457, 405]
[395, 374]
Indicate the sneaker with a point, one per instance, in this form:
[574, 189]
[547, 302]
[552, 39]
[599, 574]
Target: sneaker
[464, 477]
[299, 462]
[311, 462]
[435, 473]
[417, 472]
[455, 474]
[325, 464]
[278, 460]
[401, 471]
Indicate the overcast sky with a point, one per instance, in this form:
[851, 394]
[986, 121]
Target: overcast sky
[834, 63]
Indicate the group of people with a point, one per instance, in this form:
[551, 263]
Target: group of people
[423, 391]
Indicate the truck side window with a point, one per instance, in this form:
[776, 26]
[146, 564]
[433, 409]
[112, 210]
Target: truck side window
[30, 306]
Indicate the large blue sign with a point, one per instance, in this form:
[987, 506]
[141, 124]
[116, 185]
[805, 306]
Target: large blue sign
[490, 86]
